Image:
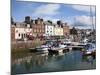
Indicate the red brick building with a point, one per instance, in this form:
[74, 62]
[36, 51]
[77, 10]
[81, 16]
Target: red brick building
[38, 28]
[66, 30]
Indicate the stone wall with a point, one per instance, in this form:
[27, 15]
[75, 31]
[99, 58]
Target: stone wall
[24, 45]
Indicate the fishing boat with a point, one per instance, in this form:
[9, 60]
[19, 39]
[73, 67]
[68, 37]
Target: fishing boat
[57, 48]
[67, 42]
[41, 49]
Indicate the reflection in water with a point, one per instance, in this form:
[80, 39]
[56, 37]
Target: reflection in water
[89, 59]
[33, 63]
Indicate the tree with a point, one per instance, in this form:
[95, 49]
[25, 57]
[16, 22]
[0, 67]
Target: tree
[27, 20]
[36, 21]
[73, 31]
[12, 21]
[50, 21]
[59, 22]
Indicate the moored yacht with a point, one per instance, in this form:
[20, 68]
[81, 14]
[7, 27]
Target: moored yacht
[90, 49]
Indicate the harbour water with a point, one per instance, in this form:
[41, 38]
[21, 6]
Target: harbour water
[38, 63]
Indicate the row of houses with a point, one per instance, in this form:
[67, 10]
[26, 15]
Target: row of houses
[37, 29]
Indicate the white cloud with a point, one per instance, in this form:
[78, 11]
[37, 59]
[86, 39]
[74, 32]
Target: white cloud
[48, 9]
[54, 20]
[84, 8]
[85, 20]
[81, 21]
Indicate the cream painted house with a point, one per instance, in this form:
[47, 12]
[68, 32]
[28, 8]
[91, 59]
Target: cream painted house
[58, 31]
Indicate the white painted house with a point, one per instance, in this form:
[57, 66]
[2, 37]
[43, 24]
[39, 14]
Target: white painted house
[49, 29]
[20, 33]
[22, 30]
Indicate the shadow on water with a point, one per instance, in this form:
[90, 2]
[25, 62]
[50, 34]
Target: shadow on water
[37, 63]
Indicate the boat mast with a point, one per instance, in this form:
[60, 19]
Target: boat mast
[91, 17]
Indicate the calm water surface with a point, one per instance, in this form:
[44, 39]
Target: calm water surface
[37, 63]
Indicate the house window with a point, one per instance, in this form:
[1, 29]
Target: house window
[16, 31]
[42, 27]
[34, 30]
[19, 34]
[37, 30]
[40, 30]
[24, 35]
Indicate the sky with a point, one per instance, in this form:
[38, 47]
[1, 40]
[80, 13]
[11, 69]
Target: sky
[74, 15]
